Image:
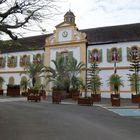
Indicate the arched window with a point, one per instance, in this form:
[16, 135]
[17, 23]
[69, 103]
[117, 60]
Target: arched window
[134, 52]
[37, 59]
[24, 83]
[114, 54]
[11, 81]
[94, 56]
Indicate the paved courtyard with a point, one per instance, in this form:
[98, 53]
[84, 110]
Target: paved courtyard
[22, 120]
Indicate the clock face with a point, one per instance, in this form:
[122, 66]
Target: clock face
[65, 34]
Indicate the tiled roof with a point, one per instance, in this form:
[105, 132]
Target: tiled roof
[120, 33]
[102, 35]
[24, 44]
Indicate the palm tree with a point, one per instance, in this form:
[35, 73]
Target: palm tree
[74, 68]
[59, 74]
[115, 82]
[34, 71]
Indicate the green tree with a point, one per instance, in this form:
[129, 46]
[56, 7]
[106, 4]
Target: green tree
[134, 76]
[115, 82]
[34, 71]
[74, 68]
[94, 80]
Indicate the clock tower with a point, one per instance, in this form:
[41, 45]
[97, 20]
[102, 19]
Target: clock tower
[66, 38]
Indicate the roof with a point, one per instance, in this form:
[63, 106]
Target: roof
[110, 34]
[23, 44]
[102, 35]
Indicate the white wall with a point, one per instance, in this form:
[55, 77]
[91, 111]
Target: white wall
[7, 72]
[105, 74]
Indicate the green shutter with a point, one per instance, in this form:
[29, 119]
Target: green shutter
[139, 52]
[100, 55]
[89, 56]
[120, 54]
[42, 58]
[70, 55]
[108, 55]
[128, 54]
[15, 61]
[58, 55]
[28, 59]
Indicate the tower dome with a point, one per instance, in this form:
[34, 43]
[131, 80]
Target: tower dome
[69, 17]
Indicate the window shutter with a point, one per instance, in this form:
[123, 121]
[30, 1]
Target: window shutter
[128, 54]
[58, 55]
[89, 57]
[28, 59]
[100, 55]
[120, 54]
[139, 52]
[108, 55]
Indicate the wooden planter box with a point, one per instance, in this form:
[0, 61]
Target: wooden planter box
[75, 94]
[34, 97]
[85, 101]
[1, 91]
[32, 91]
[115, 101]
[96, 97]
[12, 91]
[24, 93]
[134, 98]
[56, 97]
[115, 96]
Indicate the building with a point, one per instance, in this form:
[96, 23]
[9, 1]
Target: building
[105, 45]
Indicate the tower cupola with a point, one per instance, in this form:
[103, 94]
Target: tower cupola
[69, 17]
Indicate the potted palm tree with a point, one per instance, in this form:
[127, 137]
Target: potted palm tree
[1, 83]
[134, 79]
[59, 78]
[115, 82]
[34, 71]
[94, 82]
[74, 68]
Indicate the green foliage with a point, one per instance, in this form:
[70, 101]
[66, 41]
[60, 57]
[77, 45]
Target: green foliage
[65, 74]
[24, 85]
[94, 80]
[1, 82]
[115, 82]
[34, 71]
[134, 77]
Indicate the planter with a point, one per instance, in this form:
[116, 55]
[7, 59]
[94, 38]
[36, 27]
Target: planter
[115, 101]
[85, 101]
[34, 97]
[32, 91]
[56, 97]
[115, 96]
[13, 91]
[24, 93]
[96, 97]
[134, 98]
[1, 91]
[75, 94]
